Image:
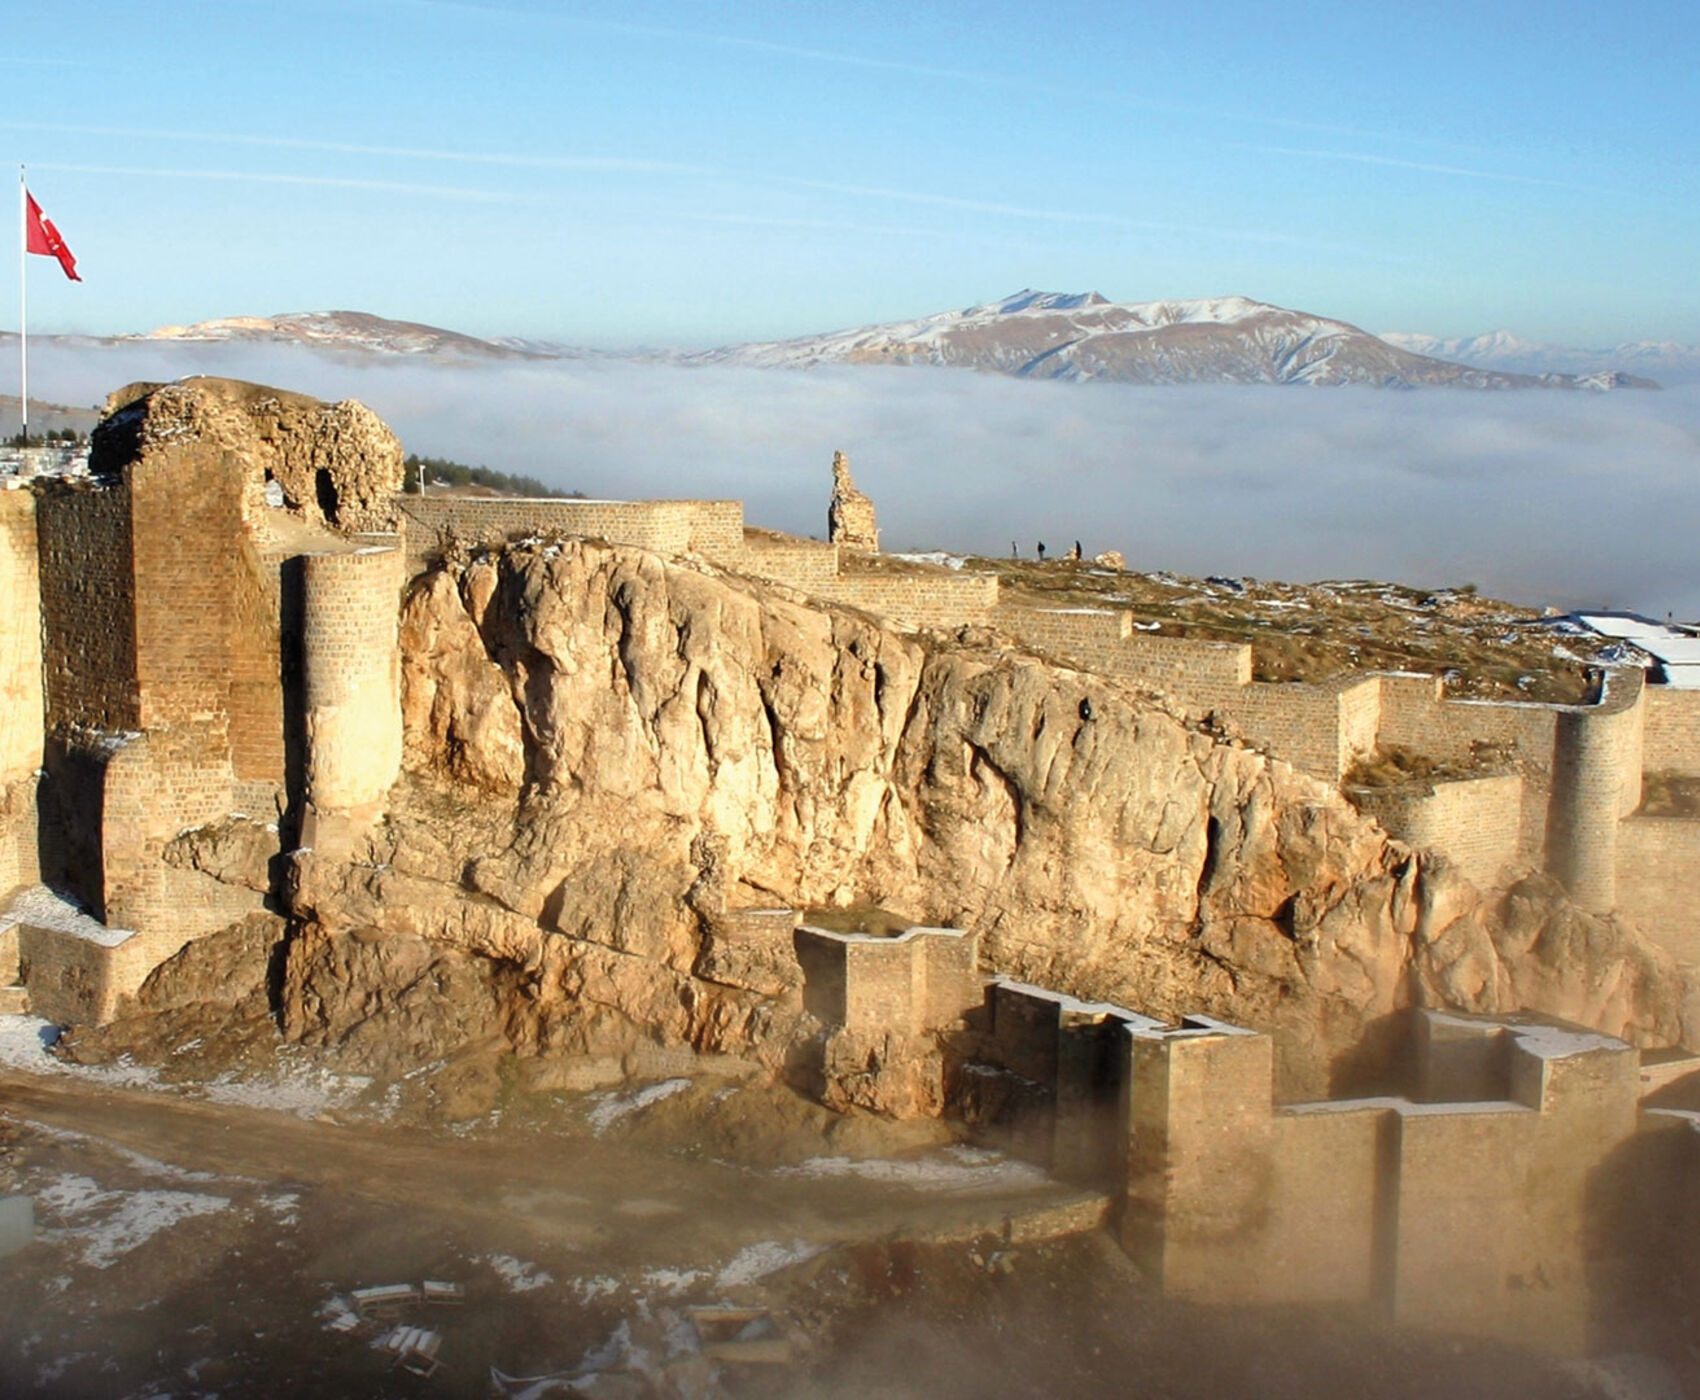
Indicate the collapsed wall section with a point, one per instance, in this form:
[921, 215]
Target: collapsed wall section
[156, 786]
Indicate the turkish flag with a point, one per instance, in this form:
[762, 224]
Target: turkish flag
[41, 237]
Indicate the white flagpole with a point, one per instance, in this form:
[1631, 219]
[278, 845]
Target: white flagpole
[23, 302]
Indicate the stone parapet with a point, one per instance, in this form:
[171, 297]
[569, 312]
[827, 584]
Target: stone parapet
[713, 530]
[913, 983]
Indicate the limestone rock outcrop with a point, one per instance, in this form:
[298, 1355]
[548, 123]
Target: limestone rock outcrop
[335, 464]
[608, 754]
[850, 521]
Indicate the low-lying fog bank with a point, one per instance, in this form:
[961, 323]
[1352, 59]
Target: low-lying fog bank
[1543, 497]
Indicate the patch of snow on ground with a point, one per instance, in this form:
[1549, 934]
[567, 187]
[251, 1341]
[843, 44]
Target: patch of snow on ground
[934, 1173]
[672, 1282]
[757, 1261]
[338, 1315]
[614, 1107]
[152, 1166]
[589, 1289]
[299, 1090]
[517, 1274]
[120, 1221]
[285, 1206]
[24, 1042]
[933, 556]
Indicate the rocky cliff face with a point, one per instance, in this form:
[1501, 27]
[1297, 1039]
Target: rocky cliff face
[609, 756]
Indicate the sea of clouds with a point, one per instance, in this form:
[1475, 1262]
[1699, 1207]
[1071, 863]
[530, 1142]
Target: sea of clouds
[1545, 497]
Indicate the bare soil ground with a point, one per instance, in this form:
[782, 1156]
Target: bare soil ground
[191, 1249]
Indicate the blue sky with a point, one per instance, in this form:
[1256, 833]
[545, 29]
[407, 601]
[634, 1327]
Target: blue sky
[700, 173]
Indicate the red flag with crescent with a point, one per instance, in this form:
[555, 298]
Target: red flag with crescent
[41, 237]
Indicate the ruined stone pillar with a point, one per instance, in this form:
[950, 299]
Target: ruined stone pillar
[850, 519]
[352, 665]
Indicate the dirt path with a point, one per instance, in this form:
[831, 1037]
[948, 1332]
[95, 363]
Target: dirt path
[579, 1189]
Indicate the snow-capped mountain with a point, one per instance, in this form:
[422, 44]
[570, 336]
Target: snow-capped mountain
[343, 330]
[1039, 335]
[1663, 360]
[1085, 336]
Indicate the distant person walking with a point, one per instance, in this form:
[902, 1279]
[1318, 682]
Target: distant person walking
[1041, 551]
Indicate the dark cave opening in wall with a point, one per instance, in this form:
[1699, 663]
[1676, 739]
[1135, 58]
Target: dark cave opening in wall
[325, 489]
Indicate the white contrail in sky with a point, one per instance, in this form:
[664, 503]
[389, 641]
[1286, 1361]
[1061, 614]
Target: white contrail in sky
[620, 164]
[269, 178]
[979, 77]
[301, 143]
[1426, 166]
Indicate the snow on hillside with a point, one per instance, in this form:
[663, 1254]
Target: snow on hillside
[1666, 361]
[1085, 336]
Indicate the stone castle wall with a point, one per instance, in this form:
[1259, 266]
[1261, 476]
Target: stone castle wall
[1476, 822]
[185, 533]
[1671, 735]
[940, 601]
[22, 721]
[916, 982]
[172, 696]
[1658, 881]
[156, 786]
[88, 607]
[1596, 781]
[713, 529]
[806, 565]
[22, 707]
[1476, 1208]
[76, 980]
[1473, 1217]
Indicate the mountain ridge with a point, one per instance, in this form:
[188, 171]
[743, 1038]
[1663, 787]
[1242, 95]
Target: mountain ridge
[1085, 336]
[1670, 361]
[1033, 334]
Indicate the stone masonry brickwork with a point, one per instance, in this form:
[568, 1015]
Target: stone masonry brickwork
[911, 984]
[353, 676]
[1475, 821]
[713, 529]
[21, 703]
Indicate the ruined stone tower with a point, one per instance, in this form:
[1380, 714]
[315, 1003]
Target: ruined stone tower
[850, 519]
